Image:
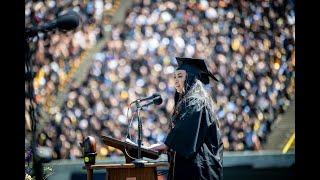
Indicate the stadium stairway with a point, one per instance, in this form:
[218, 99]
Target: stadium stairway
[282, 134]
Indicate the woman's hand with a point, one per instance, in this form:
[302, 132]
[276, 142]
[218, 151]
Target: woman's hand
[160, 147]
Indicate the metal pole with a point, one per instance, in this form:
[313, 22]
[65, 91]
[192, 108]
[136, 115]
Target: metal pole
[139, 162]
[139, 134]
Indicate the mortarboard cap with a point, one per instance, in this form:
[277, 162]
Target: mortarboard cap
[198, 64]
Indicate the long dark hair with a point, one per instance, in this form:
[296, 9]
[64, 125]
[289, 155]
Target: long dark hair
[188, 83]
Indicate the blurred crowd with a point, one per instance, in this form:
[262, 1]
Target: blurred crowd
[56, 53]
[248, 45]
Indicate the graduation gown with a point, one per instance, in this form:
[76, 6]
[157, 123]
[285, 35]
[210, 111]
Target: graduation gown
[196, 139]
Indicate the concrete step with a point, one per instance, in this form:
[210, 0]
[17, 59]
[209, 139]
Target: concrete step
[281, 130]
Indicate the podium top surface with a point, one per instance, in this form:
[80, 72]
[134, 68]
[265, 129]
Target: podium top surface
[126, 165]
[122, 145]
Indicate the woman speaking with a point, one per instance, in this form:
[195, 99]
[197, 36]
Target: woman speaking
[195, 138]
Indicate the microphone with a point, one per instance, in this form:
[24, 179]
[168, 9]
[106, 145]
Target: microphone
[65, 22]
[157, 101]
[153, 96]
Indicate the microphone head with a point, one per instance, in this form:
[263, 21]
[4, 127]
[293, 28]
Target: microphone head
[68, 21]
[158, 100]
[155, 95]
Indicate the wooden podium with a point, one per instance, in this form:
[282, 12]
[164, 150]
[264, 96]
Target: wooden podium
[128, 170]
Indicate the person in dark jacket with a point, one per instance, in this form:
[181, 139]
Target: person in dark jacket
[195, 136]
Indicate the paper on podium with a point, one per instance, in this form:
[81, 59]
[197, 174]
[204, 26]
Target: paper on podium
[133, 143]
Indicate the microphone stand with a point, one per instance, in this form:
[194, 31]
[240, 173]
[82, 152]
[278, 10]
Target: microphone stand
[36, 162]
[139, 162]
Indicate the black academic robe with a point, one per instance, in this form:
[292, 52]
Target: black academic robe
[197, 142]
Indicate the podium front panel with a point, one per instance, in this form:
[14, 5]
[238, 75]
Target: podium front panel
[145, 173]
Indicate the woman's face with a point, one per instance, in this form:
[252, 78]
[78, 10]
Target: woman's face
[179, 79]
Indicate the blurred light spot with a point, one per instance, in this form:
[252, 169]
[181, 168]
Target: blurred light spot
[140, 82]
[103, 151]
[157, 67]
